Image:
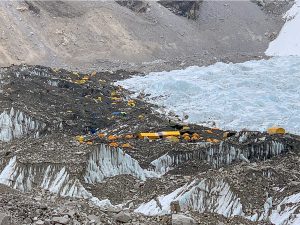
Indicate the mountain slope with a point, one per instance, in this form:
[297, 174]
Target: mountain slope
[93, 34]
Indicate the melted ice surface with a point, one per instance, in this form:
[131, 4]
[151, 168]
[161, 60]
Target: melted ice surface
[253, 95]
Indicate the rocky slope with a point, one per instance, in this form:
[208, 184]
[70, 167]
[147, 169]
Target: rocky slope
[102, 35]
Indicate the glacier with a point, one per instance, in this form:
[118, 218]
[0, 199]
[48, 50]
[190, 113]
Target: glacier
[253, 95]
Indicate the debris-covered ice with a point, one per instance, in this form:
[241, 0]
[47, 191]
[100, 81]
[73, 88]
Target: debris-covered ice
[221, 176]
[254, 95]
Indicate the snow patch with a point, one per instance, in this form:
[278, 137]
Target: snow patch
[288, 41]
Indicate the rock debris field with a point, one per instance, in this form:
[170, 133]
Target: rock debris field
[71, 154]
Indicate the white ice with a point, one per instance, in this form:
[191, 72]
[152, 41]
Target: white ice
[215, 195]
[287, 211]
[54, 178]
[202, 196]
[15, 124]
[254, 95]
[288, 41]
[109, 162]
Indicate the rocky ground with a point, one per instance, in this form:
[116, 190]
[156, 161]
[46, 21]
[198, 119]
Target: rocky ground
[62, 179]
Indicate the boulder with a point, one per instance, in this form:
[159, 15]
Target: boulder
[179, 219]
[60, 220]
[123, 217]
[5, 219]
[39, 222]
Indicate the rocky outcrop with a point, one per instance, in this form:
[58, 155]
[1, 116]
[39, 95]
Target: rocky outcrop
[189, 9]
[123, 217]
[136, 6]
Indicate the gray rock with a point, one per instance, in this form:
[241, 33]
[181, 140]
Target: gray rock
[113, 209]
[5, 219]
[71, 213]
[94, 218]
[40, 222]
[47, 222]
[75, 222]
[27, 221]
[60, 220]
[179, 219]
[123, 217]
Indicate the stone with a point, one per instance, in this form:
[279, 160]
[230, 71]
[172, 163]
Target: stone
[94, 218]
[75, 222]
[179, 219]
[123, 217]
[113, 209]
[39, 222]
[47, 222]
[71, 213]
[27, 221]
[60, 220]
[5, 219]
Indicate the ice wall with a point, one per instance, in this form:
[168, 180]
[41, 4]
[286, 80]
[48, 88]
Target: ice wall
[15, 124]
[215, 195]
[287, 211]
[108, 162]
[52, 177]
[227, 153]
[206, 195]
[221, 155]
